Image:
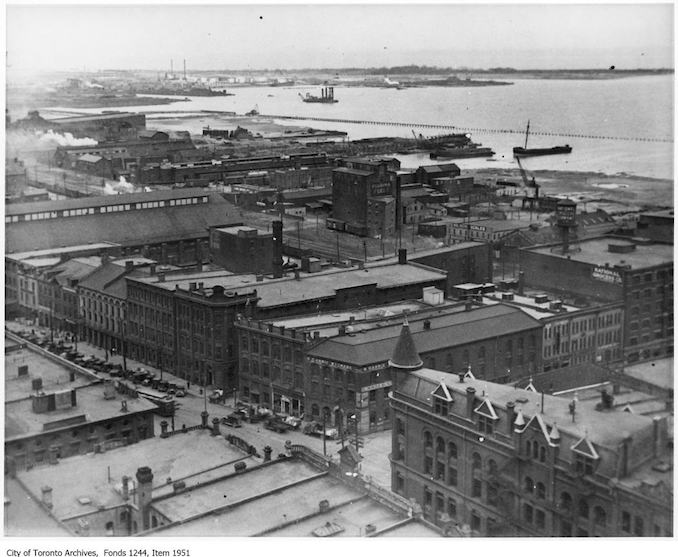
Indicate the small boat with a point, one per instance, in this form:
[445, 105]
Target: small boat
[539, 152]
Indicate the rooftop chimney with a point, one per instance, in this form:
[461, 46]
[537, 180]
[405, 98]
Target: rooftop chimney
[521, 283]
[427, 324]
[277, 227]
[129, 265]
[470, 401]
[161, 277]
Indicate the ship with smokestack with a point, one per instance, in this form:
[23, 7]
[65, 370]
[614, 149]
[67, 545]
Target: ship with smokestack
[326, 96]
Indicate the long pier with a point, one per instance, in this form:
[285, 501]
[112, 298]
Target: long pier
[460, 129]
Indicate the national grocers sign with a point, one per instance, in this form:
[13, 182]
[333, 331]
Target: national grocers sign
[606, 275]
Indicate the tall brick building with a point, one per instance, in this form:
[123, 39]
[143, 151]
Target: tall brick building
[363, 196]
[494, 460]
[637, 272]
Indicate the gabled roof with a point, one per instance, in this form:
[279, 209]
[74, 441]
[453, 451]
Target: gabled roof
[530, 387]
[486, 409]
[538, 424]
[585, 447]
[442, 392]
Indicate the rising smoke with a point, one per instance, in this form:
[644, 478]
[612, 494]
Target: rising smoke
[64, 140]
[122, 186]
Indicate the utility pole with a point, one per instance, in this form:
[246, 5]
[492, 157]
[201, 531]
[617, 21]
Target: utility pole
[324, 436]
[338, 256]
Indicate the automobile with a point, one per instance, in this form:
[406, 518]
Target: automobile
[293, 421]
[233, 420]
[277, 424]
[180, 393]
[116, 370]
[217, 396]
[163, 386]
[316, 429]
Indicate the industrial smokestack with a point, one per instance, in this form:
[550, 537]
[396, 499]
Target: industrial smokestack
[277, 249]
[184, 68]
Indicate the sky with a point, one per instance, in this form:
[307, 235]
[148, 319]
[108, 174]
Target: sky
[242, 37]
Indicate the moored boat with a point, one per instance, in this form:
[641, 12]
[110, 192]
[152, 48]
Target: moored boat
[539, 151]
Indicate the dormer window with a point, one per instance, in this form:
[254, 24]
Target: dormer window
[583, 464]
[442, 400]
[486, 417]
[585, 456]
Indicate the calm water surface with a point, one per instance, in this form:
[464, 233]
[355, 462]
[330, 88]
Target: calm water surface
[640, 107]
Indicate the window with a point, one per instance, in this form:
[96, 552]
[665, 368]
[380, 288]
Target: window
[540, 519]
[452, 476]
[599, 516]
[452, 508]
[440, 406]
[583, 508]
[528, 513]
[428, 439]
[638, 526]
[528, 485]
[584, 464]
[492, 494]
[541, 491]
[626, 522]
[485, 425]
[476, 462]
[475, 521]
[565, 501]
[477, 488]
[452, 451]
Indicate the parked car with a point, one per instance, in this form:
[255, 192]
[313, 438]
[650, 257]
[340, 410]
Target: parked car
[233, 420]
[277, 424]
[316, 429]
[180, 393]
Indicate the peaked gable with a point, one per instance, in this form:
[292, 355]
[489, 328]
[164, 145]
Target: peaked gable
[486, 409]
[585, 447]
[442, 392]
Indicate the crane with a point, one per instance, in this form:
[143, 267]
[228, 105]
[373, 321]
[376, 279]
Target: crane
[529, 200]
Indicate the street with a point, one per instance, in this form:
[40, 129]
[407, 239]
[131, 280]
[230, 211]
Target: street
[375, 450]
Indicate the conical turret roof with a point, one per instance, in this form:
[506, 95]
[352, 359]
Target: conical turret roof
[405, 355]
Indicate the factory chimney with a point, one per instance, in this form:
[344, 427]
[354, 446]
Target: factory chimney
[184, 69]
[277, 249]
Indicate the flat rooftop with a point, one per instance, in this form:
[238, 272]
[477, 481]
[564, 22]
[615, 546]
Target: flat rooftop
[178, 457]
[236, 488]
[26, 517]
[39, 253]
[657, 372]
[21, 421]
[310, 286]
[280, 500]
[327, 323]
[54, 376]
[595, 252]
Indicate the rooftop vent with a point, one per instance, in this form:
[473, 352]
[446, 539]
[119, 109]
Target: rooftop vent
[507, 296]
[621, 248]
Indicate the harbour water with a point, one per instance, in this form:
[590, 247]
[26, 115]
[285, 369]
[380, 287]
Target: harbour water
[627, 109]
